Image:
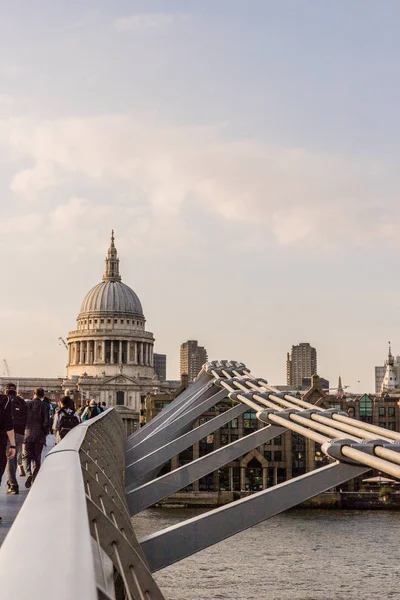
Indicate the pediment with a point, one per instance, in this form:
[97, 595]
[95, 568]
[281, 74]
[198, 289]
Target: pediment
[120, 380]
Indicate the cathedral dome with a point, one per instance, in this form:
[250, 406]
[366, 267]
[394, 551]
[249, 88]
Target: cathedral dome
[111, 296]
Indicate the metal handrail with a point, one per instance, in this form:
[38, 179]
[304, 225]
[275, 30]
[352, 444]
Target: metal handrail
[73, 535]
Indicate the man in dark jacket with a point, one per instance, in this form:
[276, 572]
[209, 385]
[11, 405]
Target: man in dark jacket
[19, 412]
[6, 433]
[37, 426]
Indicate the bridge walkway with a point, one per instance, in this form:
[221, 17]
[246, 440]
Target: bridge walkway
[11, 505]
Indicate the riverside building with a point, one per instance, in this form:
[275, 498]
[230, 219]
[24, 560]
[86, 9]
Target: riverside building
[286, 456]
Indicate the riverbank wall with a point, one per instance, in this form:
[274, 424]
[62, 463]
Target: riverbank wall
[328, 500]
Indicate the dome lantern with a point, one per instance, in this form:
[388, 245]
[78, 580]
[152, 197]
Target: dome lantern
[112, 262]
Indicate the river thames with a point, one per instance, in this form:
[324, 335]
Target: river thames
[299, 555]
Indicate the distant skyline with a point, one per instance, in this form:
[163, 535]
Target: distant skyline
[246, 156]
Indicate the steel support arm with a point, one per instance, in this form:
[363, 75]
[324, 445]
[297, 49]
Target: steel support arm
[148, 494]
[180, 403]
[142, 467]
[180, 541]
[174, 429]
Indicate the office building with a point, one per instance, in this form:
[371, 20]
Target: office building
[301, 362]
[192, 358]
[160, 366]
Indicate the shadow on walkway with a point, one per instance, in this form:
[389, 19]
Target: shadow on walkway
[11, 505]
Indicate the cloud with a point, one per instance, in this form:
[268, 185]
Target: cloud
[25, 223]
[29, 183]
[156, 170]
[147, 21]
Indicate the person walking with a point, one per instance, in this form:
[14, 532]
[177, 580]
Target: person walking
[64, 420]
[90, 411]
[69, 400]
[7, 434]
[19, 413]
[37, 424]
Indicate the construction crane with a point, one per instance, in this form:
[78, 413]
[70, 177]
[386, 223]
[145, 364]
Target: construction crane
[64, 342]
[6, 368]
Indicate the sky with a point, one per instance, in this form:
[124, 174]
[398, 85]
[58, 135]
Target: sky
[246, 154]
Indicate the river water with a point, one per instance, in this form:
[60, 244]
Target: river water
[298, 555]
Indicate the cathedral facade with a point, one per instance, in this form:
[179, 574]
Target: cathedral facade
[110, 353]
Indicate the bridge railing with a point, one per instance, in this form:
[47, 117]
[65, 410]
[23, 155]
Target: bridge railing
[73, 537]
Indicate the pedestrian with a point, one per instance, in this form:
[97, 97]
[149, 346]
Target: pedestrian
[82, 409]
[37, 424]
[19, 413]
[64, 420]
[48, 402]
[104, 406]
[7, 434]
[69, 400]
[91, 411]
[100, 407]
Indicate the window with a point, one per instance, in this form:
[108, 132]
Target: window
[366, 409]
[382, 411]
[224, 439]
[392, 426]
[268, 454]
[101, 320]
[278, 455]
[382, 424]
[250, 420]
[234, 423]
[278, 440]
[90, 321]
[108, 320]
[115, 320]
[391, 412]
[122, 320]
[234, 437]
[128, 321]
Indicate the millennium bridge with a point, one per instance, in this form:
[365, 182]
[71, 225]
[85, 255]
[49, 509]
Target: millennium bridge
[77, 516]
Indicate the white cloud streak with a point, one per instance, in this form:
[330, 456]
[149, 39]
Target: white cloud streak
[139, 23]
[297, 196]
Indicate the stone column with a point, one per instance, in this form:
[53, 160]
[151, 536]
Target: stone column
[141, 353]
[112, 352]
[103, 356]
[120, 352]
[135, 358]
[242, 478]
[146, 352]
[151, 355]
[69, 353]
[95, 351]
[275, 475]
[80, 352]
[128, 352]
[265, 478]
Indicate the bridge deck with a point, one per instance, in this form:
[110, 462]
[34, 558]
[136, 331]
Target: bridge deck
[11, 505]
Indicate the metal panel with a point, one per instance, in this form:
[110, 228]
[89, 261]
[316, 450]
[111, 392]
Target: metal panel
[54, 517]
